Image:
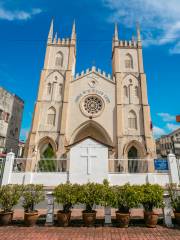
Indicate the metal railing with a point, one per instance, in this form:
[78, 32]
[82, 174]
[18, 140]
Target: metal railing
[42, 165]
[62, 165]
[131, 165]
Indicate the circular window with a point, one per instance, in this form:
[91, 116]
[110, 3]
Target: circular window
[92, 105]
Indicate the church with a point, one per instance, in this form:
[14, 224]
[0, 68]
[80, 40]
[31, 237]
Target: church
[91, 117]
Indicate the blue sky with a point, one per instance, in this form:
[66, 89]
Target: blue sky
[24, 26]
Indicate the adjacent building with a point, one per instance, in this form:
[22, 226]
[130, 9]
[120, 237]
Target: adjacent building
[169, 144]
[11, 110]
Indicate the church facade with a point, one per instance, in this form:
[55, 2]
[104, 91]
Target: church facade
[93, 112]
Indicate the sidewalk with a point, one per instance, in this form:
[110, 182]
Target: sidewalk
[83, 233]
[76, 231]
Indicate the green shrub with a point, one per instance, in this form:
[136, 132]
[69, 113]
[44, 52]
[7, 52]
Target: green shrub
[90, 194]
[152, 196]
[126, 197]
[32, 194]
[9, 196]
[67, 195]
[174, 193]
[107, 196]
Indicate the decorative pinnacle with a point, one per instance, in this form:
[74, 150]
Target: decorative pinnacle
[73, 34]
[50, 35]
[138, 32]
[116, 38]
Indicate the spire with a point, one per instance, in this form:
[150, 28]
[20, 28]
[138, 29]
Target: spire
[116, 38]
[138, 33]
[73, 34]
[50, 35]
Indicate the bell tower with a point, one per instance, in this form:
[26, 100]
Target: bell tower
[133, 121]
[50, 113]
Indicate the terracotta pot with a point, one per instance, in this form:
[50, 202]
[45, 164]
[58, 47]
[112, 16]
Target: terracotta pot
[30, 219]
[123, 219]
[177, 217]
[89, 218]
[151, 219]
[6, 218]
[63, 218]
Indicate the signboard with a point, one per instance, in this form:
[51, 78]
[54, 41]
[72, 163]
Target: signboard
[161, 164]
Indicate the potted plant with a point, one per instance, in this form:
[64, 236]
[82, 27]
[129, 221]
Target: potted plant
[174, 193]
[125, 197]
[152, 197]
[65, 194]
[9, 197]
[32, 194]
[90, 194]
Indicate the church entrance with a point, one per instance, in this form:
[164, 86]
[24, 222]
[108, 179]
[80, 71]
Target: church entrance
[88, 162]
[132, 160]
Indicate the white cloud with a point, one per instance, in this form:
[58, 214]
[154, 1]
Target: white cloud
[166, 117]
[157, 131]
[175, 49]
[160, 19]
[11, 15]
[172, 126]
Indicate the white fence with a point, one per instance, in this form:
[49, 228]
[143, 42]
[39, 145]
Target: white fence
[52, 172]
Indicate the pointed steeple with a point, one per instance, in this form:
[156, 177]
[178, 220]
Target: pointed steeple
[73, 34]
[50, 35]
[138, 33]
[116, 38]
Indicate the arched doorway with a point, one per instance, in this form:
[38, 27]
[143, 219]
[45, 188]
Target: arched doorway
[93, 130]
[133, 153]
[133, 160]
[47, 162]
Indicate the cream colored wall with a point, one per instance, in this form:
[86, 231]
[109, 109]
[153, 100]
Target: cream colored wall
[51, 57]
[80, 87]
[120, 66]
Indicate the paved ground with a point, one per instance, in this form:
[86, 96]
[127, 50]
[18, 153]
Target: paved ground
[82, 233]
[76, 231]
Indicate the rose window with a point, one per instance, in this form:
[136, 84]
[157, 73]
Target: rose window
[92, 105]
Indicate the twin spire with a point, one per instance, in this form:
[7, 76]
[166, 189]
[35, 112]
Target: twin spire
[73, 34]
[116, 37]
[51, 31]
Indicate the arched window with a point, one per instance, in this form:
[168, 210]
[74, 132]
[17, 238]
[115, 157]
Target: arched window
[49, 88]
[136, 91]
[125, 91]
[59, 59]
[16, 132]
[51, 117]
[132, 120]
[128, 61]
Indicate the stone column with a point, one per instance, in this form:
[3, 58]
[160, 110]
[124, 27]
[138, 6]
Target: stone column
[8, 168]
[107, 215]
[50, 209]
[167, 210]
[173, 169]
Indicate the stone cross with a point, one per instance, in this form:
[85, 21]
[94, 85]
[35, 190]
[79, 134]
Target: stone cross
[88, 155]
